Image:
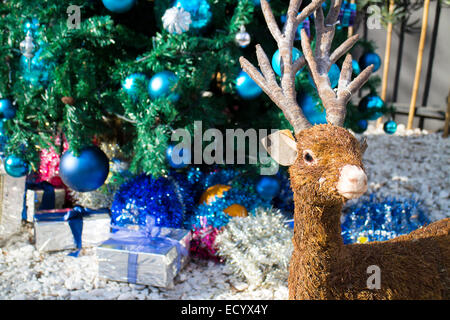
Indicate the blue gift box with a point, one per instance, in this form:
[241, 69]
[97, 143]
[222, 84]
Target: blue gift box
[155, 261]
[62, 229]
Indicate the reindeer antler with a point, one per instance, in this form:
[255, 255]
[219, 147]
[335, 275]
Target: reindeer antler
[285, 97]
[319, 64]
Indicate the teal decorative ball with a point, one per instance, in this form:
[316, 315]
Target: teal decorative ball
[200, 11]
[119, 6]
[163, 84]
[246, 87]
[15, 166]
[312, 109]
[390, 127]
[371, 106]
[370, 58]
[130, 84]
[7, 110]
[276, 60]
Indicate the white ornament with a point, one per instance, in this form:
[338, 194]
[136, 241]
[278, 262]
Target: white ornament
[176, 20]
[243, 38]
[27, 46]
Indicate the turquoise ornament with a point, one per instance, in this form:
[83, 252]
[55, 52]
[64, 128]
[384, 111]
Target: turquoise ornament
[15, 166]
[163, 84]
[130, 84]
[246, 87]
[371, 105]
[370, 58]
[119, 6]
[360, 126]
[312, 109]
[390, 127]
[356, 67]
[268, 187]
[333, 74]
[200, 11]
[7, 110]
[276, 60]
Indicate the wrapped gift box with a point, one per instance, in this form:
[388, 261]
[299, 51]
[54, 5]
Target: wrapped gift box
[62, 229]
[155, 262]
[12, 192]
[35, 197]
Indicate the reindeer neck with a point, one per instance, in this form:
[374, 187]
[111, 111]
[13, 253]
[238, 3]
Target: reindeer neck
[317, 228]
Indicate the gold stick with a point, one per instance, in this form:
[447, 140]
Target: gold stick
[387, 58]
[350, 28]
[447, 117]
[423, 36]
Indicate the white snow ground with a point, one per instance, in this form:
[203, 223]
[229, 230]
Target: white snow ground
[405, 164]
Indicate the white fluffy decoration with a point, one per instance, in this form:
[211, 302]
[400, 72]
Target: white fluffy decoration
[258, 247]
[176, 20]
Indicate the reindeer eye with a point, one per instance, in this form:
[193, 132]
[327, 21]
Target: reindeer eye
[308, 157]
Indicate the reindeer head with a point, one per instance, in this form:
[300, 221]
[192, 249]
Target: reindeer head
[326, 160]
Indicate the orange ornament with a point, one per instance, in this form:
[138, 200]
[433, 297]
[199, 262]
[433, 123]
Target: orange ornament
[212, 192]
[236, 210]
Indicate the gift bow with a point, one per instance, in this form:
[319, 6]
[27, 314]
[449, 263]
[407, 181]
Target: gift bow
[48, 198]
[148, 235]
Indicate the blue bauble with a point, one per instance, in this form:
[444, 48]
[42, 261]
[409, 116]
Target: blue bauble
[200, 11]
[119, 6]
[15, 166]
[246, 87]
[35, 72]
[31, 25]
[390, 127]
[360, 126]
[312, 109]
[276, 60]
[370, 58]
[163, 84]
[371, 105]
[356, 67]
[130, 85]
[84, 173]
[333, 74]
[178, 157]
[268, 187]
[7, 110]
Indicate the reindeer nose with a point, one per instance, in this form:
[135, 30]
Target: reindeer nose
[352, 182]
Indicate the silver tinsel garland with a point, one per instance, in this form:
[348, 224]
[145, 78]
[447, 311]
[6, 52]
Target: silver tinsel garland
[258, 247]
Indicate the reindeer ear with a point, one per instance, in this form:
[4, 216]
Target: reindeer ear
[281, 146]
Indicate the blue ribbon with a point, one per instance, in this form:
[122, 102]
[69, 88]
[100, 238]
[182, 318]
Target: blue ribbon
[48, 198]
[74, 218]
[145, 238]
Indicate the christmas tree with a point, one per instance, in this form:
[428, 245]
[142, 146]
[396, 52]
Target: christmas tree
[131, 72]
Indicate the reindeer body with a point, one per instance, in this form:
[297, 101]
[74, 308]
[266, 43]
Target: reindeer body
[326, 170]
[414, 266]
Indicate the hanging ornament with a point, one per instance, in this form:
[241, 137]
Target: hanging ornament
[360, 126]
[7, 111]
[36, 70]
[243, 38]
[178, 157]
[356, 68]
[86, 172]
[163, 84]
[390, 127]
[130, 84]
[15, 166]
[246, 87]
[176, 20]
[370, 58]
[333, 75]
[28, 47]
[312, 109]
[200, 11]
[371, 105]
[268, 187]
[31, 25]
[119, 6]
[277, 63]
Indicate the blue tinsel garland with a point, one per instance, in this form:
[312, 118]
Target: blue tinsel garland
[169, 200]
[380, 219]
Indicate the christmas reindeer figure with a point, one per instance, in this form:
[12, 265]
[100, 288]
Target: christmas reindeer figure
[326, 170]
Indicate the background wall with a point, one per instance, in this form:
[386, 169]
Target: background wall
[440, 81]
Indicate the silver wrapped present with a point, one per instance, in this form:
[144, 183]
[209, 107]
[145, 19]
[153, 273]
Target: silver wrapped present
[62, 229]
[155, 262]
[12, 192]
[34, 201]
